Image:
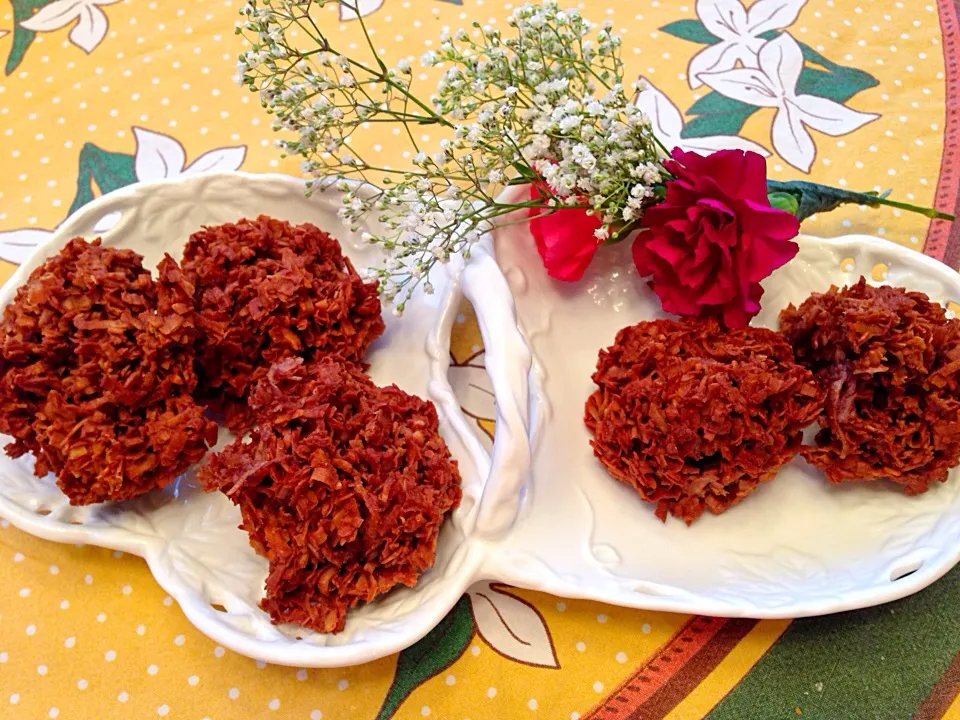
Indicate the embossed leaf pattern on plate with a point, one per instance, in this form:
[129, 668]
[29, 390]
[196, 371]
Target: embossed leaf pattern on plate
[776, 578]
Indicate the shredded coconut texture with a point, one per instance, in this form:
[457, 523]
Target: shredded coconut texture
[889, 361]
[97, 375]
[694, 417]
[342, 486]
[266, 291]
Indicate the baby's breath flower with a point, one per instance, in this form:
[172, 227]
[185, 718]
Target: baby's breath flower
[543, 100]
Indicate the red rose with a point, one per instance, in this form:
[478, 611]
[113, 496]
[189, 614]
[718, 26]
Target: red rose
[565, 238]
[714, 236]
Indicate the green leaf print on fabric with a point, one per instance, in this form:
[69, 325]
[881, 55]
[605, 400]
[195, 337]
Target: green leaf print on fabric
[835, 82]
[22, 38]
[109, 170]
[439, 649]
[714, 114]
[692, 30]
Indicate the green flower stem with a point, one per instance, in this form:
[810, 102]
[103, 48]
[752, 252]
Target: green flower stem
[931, 213]
[812, 198]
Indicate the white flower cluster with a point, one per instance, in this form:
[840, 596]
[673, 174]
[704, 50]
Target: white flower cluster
[542, 103]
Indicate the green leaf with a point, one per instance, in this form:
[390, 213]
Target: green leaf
[22, 38]
[108, 170]
[692, 30]
[715, 114]
[441, 647]
[815, 198]
[785, 201]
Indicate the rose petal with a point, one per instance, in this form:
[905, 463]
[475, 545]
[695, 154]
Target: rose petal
[671, 252]
[735, 172]
[768, 255]
[714, 236]
[739, 315]
[768, 221]
[722, 291]
[674, 299]
[700, 271]
[565, 240]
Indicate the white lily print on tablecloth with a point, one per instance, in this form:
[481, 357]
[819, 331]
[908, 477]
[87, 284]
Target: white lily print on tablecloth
[4, 32]
[511, 626]
[471, 384]
[774, 84]
[160, 156]
[90, 22]
[157, 157]
[364, 7]
[739, 31]
[17, 245]
[666, 121]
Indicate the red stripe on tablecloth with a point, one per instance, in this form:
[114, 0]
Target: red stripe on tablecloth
[681, 664]
[942, 695]
[943, 237]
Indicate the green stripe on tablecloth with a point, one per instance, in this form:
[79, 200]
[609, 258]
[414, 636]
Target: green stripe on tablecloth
[874, 664]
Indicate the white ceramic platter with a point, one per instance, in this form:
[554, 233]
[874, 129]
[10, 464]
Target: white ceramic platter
[190, 539]
[539, 512]
[797, 546]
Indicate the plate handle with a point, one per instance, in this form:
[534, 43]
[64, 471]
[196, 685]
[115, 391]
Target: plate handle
[508, 363]
[114, 211]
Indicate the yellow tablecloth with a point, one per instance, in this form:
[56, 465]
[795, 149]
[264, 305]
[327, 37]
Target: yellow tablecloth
[109, 92]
